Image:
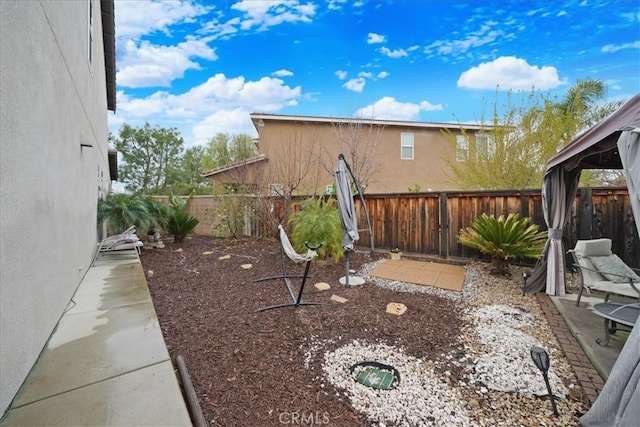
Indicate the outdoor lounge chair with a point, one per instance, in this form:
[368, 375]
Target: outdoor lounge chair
[601, 270]
[123, 241]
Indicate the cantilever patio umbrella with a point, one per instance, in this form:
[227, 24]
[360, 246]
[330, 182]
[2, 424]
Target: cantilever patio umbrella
[347, 211]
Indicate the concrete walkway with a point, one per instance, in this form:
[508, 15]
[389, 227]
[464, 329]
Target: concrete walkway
[106, 364]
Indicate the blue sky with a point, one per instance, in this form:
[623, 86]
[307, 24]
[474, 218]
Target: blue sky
[203, 66]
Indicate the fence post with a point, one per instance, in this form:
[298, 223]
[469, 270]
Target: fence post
[585, 213]
[443, 227]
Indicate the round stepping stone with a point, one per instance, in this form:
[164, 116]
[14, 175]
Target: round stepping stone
[322, 286]
[396, 308]
[353, 280]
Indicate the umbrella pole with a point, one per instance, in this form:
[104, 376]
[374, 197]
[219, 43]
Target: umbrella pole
[346, 277]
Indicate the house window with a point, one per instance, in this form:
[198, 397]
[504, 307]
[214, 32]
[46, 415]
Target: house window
[329, 189]
[276, 189]
[90, 35]
[485, 147]
[238, 188]
[462, 148]
[406, 146]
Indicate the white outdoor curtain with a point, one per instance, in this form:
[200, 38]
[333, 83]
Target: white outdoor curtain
[558, 192]
[629, 150]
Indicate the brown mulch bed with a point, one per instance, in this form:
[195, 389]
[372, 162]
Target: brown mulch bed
[248, 368]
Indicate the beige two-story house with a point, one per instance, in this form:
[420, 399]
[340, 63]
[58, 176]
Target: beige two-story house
[298, 154]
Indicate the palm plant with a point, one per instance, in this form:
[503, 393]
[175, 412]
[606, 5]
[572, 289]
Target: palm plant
[158, 212]
[180, 224]
[318, 221]
[503, 239]
[121, 211]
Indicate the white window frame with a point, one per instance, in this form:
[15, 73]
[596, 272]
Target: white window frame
[329, 189]
[276, 189]
[485, 146]
[462, 148]
[407, 141]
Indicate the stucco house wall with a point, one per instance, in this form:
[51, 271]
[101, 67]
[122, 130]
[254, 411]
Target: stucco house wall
[53, 100]
[287, 139]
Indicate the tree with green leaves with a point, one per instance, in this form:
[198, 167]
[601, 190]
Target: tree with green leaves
[190, 177]
[151, 157]
[517, 140]
[223, 149]
[511, 150]
[586, 100]
[216, 152]
[242, 147]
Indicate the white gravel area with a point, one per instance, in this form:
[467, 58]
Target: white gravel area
[496, 381]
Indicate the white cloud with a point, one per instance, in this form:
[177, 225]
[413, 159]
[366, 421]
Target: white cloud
[374, 38]
[562, 13]
[632, 16]
[137, 18]
[390, 109]
[365, 74]
[262, 14]
[398, 53]
[233, 122]
[335, 4]
[341, 74]
[144, 64]
[485, 35]
[611, 48]
[382, 74]
[219, 96]
[508, 72]
[282, 73]
[355, 85]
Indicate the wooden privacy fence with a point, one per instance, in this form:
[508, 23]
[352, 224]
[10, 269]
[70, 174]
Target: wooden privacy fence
[428, 223]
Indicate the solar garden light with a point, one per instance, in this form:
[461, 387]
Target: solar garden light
[541, 360]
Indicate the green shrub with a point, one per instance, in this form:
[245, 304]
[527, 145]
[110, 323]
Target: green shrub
[180, 224]
[230, 218]
[503, 239]
[318, 221]
[158, 213]
[121, 211]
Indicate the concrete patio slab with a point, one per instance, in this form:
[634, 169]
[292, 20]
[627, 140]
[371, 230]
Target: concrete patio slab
[106, 362]
[587, 327]
[95, 346]
[138, 398]
[446, 276]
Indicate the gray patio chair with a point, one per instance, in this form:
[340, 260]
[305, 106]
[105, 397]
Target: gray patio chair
[601, 270]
